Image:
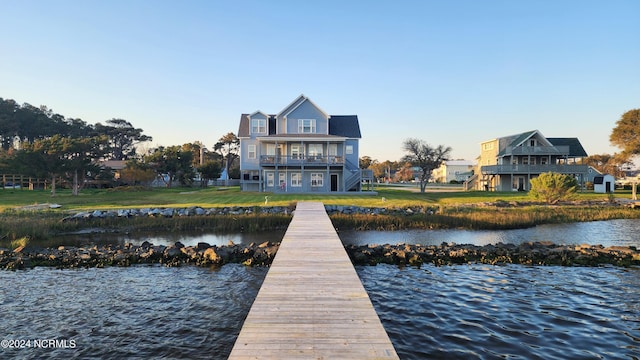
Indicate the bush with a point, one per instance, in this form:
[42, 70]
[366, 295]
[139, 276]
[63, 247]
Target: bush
[553, 187]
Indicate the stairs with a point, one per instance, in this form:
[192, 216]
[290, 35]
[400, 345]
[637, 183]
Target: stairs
[470, 184]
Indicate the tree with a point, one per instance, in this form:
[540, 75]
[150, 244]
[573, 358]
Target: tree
[425, 157]
[553, 187]
[137, 173]
[382, 170]
[208, 171]
[608, 164]
[57, 156]
[172, 163]
[228, 146]
[626, 133]
[404, 173]
[80, 158]
[123, 138]
[366, 161]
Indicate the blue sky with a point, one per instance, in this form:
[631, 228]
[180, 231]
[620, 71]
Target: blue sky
[452, 72]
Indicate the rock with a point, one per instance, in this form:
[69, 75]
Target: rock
[210, 254]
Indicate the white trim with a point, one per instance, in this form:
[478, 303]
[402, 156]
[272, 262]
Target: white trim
[298, 181]
[312, 126]
[250, 151]
[318, 181]
[300, 100]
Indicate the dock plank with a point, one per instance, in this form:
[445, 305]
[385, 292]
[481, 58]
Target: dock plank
[312, 304]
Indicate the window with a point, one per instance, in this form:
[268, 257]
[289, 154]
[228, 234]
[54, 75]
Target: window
[543, 161]
[315, 150]
[271, 149]
[514, 160]
[296, 180]
[258, 126]
[533, 161]
[348, 149]
[333, 149]
[306, 126]
[525, 160]
[282, 180]
[317, 179]
[270, 178]
[532, 142]
[487, 146]
[296, 151]
[251, 152]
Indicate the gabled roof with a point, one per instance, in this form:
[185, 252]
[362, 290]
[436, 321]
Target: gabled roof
[344, 125]
[521, 138]
[245, 124]
[259, 112]
[296, 103]
[575, 147]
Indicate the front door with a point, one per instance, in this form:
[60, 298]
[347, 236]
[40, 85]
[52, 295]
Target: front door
[334, 182]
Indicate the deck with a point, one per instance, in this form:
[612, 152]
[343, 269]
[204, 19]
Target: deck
[312, 304]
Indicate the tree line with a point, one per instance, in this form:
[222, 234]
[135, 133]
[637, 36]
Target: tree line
[37, 142]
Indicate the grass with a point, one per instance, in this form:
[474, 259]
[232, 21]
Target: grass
[17, 223]
[91, 199]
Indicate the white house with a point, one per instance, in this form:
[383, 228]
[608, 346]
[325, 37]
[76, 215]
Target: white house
[458, 170]
[604, 184]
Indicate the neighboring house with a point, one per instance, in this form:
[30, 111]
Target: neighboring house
[300, 149]
[510, 162]
[453, 170]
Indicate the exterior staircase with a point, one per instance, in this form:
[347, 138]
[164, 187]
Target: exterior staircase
[470, 183]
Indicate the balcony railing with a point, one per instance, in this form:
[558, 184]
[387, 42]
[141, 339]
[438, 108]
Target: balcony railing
[534, 169]
[536, 150]
[301, 160]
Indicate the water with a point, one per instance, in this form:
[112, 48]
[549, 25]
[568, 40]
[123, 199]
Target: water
[508, 312]
[622, 232]
[455, 312]
[145, 312]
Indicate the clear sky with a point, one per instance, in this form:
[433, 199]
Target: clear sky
[451, 72]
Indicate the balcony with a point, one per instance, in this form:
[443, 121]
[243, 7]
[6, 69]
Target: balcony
[301, 160]
[536, 150]
[534, 169]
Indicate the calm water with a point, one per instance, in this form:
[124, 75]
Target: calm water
[462, 311]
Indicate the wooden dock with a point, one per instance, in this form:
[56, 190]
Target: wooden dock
[312, 304]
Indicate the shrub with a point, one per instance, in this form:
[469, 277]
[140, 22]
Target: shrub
[553, 187]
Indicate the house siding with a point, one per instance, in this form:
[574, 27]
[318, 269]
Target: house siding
[320, 164]
[307, 110]
[519, 158]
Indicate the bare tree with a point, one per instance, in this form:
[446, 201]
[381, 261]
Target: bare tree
[425, 157]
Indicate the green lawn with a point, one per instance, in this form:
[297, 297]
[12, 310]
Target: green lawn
[232, 196]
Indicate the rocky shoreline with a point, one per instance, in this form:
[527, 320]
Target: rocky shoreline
[169, 212]
[530, 253]
[203, 254]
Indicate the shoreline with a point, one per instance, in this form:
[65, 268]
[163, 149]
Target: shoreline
[205, 255]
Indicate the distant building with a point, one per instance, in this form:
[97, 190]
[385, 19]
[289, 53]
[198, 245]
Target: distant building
[454, 170]
[604, 184]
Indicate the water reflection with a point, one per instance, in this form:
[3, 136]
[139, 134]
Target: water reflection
[186, 238]
[608, 233]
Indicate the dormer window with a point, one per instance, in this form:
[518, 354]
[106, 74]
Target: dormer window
[306, 126]
[258, 126]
